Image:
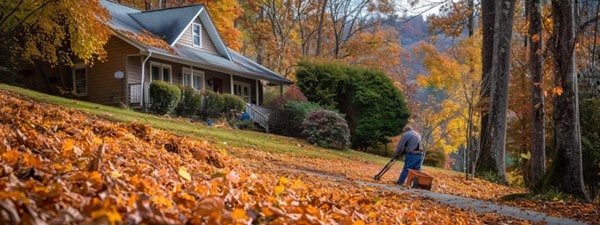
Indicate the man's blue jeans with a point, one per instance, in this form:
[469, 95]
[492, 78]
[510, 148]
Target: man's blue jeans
[411, 161]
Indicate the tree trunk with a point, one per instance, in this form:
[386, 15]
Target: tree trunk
[499, 92]
[482, 161]
[320, 29]
[470, 28]
[471, 17]
[566, 173]
[536, 60]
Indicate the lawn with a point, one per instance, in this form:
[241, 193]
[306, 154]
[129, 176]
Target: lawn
[263, 161]
[184, 127]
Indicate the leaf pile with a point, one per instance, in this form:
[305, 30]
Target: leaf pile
[447, 182]
[60, 166]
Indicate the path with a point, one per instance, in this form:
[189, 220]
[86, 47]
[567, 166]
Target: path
[476, 205]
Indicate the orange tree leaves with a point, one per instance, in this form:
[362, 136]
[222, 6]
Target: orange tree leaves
[61, 166]
[50, 30]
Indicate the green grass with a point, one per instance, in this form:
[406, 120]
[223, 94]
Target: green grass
[218, 136]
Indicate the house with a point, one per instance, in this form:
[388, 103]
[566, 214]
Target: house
[177, 45]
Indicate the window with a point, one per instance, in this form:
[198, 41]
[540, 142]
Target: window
[196, 35]
[159, 71]
[242, 89]
[187, 77]
[193, 78]
[80, 79]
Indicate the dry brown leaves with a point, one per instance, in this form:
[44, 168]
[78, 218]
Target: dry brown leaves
[444, 182]
[60, 166]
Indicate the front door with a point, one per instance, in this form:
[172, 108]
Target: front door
[217, 85]
[242, 89]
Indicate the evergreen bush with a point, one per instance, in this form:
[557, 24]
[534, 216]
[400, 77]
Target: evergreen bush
[190, 102]
[327, 129]
[233, 105]
[374, 107]
[212, 104]
[287, 119]
[163, 97]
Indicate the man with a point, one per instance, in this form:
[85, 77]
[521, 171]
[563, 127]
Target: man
[410, 144]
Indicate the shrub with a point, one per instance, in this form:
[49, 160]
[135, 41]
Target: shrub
[212, 104]
[287, 119]
[327, 129]
[190, 102]
[232, 105]
[435, 159]
[374, 107]
[163, 97]
[242, 124]
[292, 93]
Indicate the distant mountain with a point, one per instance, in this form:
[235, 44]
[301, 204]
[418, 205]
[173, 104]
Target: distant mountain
[411, 32]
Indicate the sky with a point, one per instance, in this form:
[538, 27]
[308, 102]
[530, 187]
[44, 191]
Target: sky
[424, 7]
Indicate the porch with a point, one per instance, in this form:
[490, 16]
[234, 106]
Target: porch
[139, 97]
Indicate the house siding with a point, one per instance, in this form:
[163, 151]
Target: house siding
[103, 87]
[134, 69]
[133, 75]
[207, 44]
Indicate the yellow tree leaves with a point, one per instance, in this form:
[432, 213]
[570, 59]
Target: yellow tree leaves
[452, 85]
[184, 174]
[48, 30]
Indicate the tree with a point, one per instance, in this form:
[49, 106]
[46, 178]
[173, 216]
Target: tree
[457, 17]
[499, 85]
[536, 61]
[482, 160]
[375, 109]
[53, 31]
[274, 31]
[448, 119]
[281, 32]
[566, 171]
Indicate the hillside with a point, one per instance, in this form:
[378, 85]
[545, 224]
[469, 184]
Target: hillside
[59, 165]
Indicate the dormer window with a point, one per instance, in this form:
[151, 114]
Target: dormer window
[197, 35]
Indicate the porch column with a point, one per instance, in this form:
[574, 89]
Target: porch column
[256, 99]
[231, 84]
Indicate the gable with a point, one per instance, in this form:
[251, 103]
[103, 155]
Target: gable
[171, 29]
[206, 44]
[211, 32]
[168, 23]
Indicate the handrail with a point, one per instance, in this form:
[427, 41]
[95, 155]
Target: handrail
[135, 93]
[259, 115]
[138, 93]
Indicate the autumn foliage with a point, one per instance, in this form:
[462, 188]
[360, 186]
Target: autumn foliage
[61, 166]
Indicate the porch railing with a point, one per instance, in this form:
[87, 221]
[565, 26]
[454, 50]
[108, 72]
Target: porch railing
[259, 115]
[136, 93]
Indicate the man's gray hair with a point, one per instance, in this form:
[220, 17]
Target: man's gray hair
[407, 128]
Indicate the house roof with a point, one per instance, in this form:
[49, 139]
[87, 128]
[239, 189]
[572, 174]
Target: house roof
[169, 25]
